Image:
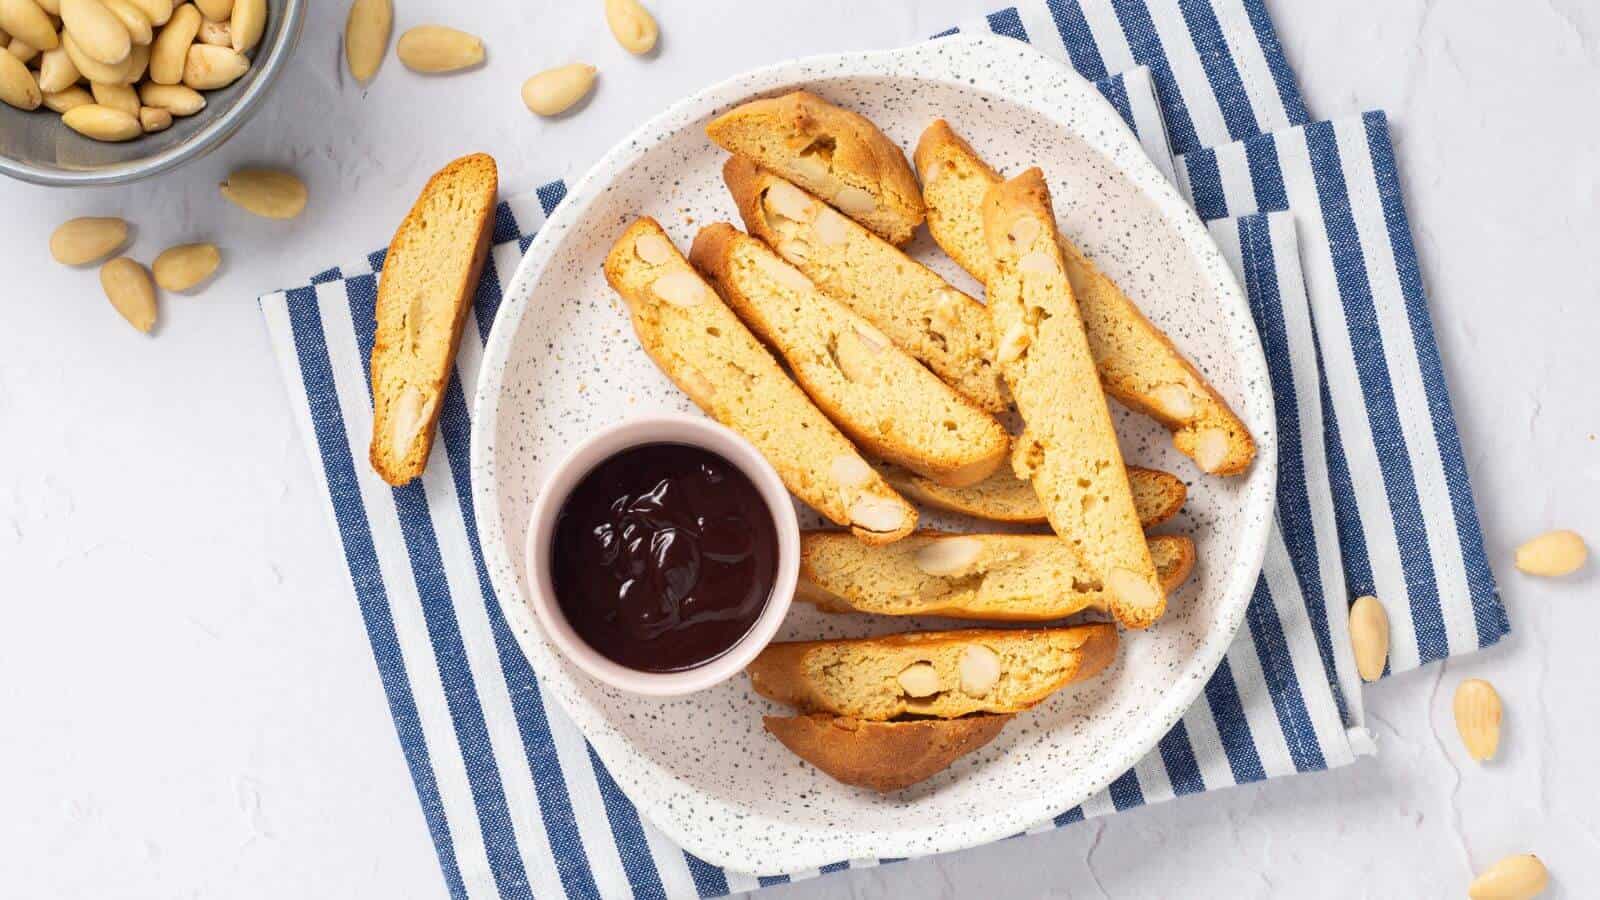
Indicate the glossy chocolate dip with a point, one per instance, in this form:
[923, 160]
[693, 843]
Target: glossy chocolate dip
[663, 557]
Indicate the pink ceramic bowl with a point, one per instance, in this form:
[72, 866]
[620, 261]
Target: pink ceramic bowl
[655, 429]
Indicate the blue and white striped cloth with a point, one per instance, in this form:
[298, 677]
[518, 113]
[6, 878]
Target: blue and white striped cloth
[519, 806]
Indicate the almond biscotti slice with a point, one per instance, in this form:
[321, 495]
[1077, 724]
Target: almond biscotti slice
[944, 674]
[1138, 364]
[1003, 497]
[882, 756]
[991, 577]
[703, 347]
[429, 276]
[1068, 451]
[836, 154]
[946, 330]
[882, 398]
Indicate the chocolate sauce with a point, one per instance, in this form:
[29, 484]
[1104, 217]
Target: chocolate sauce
[663, 557]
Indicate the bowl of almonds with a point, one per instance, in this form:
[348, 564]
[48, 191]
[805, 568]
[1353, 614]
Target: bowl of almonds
[99, 92]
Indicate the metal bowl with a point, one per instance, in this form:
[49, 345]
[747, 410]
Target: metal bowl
[35, 146]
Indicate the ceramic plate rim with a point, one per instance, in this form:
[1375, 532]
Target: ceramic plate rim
[612, 747]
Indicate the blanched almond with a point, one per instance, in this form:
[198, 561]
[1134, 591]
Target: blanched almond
[979, 669]
[116, 96]
[154, 118]
[918, 680]
[217, 34]
[879, 515]
[91, 68]
[680, 288]
[207, 68]
[159, 12]
[783, 273]
[1477, 711]
[269, 193]
[1129, 589]
[1553, 554]
[215, 10]
[849, 471]
[437, 48]
[794, 250]
[186, 265]
[71, 98]
[22, 50]
[1024, 230]
[1369, 637]
[554, 91]
[247, 24]
[853, 201]
[366, 36]
[87, 239]
[103, 123]
[1211, 449]
[1174, 401]
[411, 413]
[951, 556]
[138, 64]
[832, 229]
[127, 286]
[174, 98]
[132, 18]
[97, 30]
[170, 50]
[632, 25]
[1520, 877]
[786, 200]
[17, 87]
[25, 20]
[1041, 261]
[653, 249]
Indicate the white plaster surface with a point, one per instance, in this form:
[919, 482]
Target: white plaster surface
[188, 706]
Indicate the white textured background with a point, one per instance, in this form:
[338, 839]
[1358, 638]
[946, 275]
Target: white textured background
[188, 706]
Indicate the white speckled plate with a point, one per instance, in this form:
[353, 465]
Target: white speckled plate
[563, 360]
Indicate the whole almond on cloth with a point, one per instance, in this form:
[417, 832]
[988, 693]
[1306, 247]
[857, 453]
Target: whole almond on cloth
[269, 193]
[366, 36]
[435, 49]
[1477, 711]
[1553, 554]
[87, 239]
[1369, 637]
[127, 286]
[1520, 877]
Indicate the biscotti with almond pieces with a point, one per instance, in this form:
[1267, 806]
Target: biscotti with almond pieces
[1003, 497]
[878, 395]
[429, 277]
[990, 577]
[882, 756]
[1138, 364]
[835, 153]
[707, 352]
[943, 674]
[925, 315]
[1068, 450]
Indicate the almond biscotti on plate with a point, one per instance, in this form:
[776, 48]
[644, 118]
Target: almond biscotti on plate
[1138, 365]
[877, 394]
[990, 577]
[836, 154]
[1003, 497]
[703, 347]
[1068, 450]
[882, 756]
[944, 674]
[946, 330]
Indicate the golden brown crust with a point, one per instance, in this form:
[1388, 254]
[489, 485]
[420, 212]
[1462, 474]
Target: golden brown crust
[410, 356]
[882, 756]
[858, 677]
[830, 151]
[1138, 363]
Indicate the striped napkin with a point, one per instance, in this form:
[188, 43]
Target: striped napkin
[1309, 214]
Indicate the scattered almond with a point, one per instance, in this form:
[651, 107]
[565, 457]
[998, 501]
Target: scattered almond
[269, 193]
[88, 239]
[1477, 711]
[1369, 637]
[632, 25]
[1553, 554]
[436, 49]
[918, 680]
[127, 286]
[1520, 877]
[554, 91]
[183, 267]
[366, 36]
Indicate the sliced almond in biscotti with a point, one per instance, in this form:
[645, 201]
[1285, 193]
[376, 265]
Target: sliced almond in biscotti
[832, 152]
[877, 394]
[944, 674]
[993, 577]
[945, 329]
[882, 756]
[1003, 497]
[1069, 450]
[703, 347]
[429, 277]
[1138, 364]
